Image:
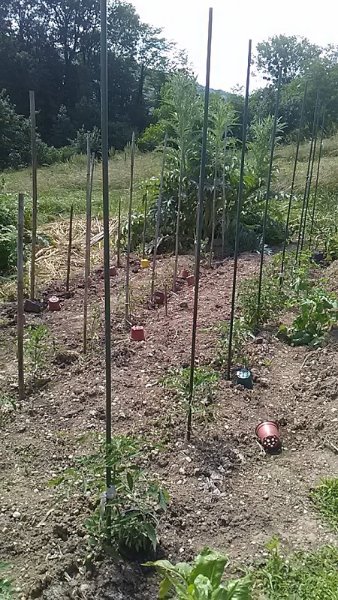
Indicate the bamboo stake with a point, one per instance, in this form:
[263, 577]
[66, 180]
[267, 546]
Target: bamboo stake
[223, 196]
[309, 186]
[239, 208]
[105, 198]
[307, 180]
[144, 225]
[118, 243]
[70, 240]
[34, 190]
[199, 224]
[131, 190]
[299, 136]
[178, 216]
[166, 299]
[213, 217]
[317, 180]
[267, 197]
[20, 312]
[90, 165]
[158, 216]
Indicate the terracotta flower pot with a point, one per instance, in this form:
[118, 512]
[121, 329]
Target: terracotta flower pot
[144, 263]
[137, 333]
[268, 435]
[54, 303]
[184, 273]
[159, 298]
[113, 271]
[191, 280]
[244, 377]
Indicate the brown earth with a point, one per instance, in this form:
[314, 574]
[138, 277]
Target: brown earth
[225, 491]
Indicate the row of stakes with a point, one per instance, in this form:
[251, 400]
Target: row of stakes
[267, 432]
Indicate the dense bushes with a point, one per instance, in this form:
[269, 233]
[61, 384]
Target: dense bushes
[8, 232]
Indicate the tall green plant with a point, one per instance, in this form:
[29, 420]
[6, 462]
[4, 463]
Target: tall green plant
[183, 107]
[260, 144]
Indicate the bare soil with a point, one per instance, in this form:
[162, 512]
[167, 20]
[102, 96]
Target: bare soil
[225, 491]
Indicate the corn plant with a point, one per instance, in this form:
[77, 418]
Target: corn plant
[200, 580]
[128, 512]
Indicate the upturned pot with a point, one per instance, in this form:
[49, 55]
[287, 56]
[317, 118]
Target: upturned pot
[268, 435]
[184, 273]
[113, 271]
[244, 377]
[159, 298]
[144, 263]
[137, 333]
[54, 303]
[191, 280]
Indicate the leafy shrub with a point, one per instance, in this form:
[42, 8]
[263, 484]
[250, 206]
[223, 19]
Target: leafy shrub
[133, 502]
[317, 313]
[48, 155]
[14, 135]
[272, 300]
[201, 579]
[205, 380]
[80, 142]
[36, 347]
[151, 137]
[8, 232]
[241, 335]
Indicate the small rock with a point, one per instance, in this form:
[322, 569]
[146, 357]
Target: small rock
[183, 304]
[16, 515]
[32, 306]
[258, 340]
[264, 383]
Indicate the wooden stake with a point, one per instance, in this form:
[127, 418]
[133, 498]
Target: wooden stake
[131, 191]
[166, 299]
[90, 165]
[20, 313]
[34, 191]
[118, 241]
[144, 225]
[178, 217]
[158, 216]
[70, 239]
[213, 217]
[199, 225]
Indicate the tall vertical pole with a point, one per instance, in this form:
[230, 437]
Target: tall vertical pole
[199, 223]
[158, 216]
[307, 179]
[299, 137]
[90, 165]
[105, 197]
[178, 216]
[70, 241]
[213, 216]
[309, 185]
[223, 195]
[131, 192]
[34, 191]
[239, 207]
[144, 224]
[267, 197]
[20, 313]
[118, 243]
[317, 180]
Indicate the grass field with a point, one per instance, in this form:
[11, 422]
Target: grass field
[63, 184]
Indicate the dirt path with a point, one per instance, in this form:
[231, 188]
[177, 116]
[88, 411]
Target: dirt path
[224, 491]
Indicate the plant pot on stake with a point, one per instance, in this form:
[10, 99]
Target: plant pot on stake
[137, 333]
[144, 263]
[244, 377]
[159, 298]
[268, 435]
[54, 303]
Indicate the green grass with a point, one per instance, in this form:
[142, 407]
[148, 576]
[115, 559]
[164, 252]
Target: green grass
[301, 576]
[62, 184]
[6, 590]
[325, 499]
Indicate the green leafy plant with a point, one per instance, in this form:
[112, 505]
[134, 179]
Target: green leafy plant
[302, 576]
[241, 336]
[205, 380]
[127, 513]
[318, 312]
[6, 590]
[36, 347]
[325, 499]
[272, 300]
[200, 580]
[7, 408]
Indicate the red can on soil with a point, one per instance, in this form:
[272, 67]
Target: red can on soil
[137, 333]
[268, 435]
[113, 271]
[159, 298]
[184, 274]
[191, 280]
[54, 303]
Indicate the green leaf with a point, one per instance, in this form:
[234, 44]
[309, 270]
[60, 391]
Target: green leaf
[201, 588]
[236, 590]
[151, 534]
[164, 588]
[211, 564]
[130, 481]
